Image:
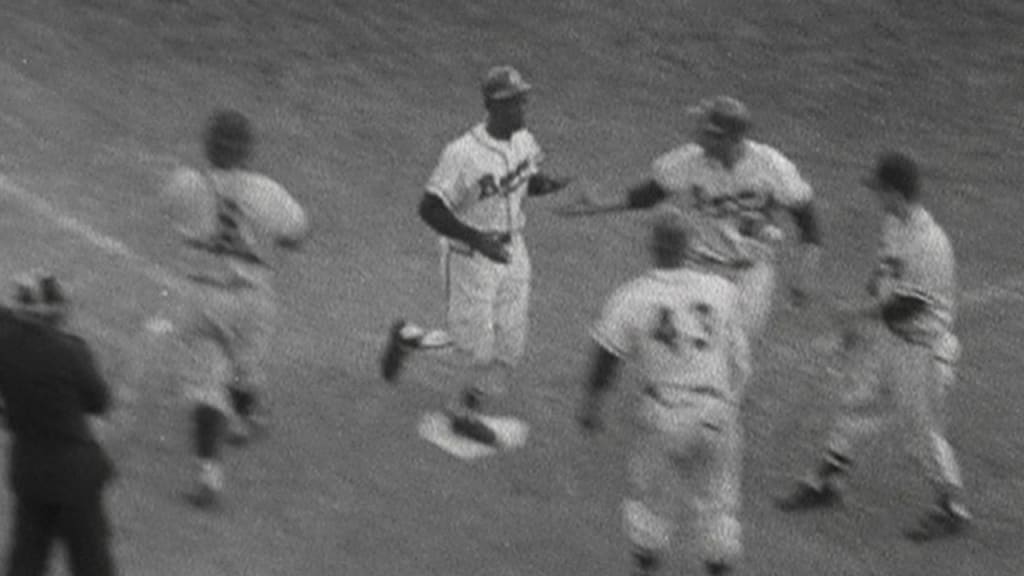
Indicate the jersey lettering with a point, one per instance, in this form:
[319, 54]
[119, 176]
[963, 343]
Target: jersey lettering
[231, 237]
[665, 331]
[750, 210]
[705, 316]
[697, 334]
[504, 186]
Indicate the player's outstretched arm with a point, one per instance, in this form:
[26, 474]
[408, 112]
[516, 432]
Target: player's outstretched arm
[640, 196]
[602, 374]
[542, 184]
[807, 223]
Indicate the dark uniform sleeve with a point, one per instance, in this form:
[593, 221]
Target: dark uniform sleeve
[94, 390]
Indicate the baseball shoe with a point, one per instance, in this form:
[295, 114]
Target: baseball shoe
[645, 561]
[209, 485]
[396, 351]
[717, 568]
[465, 419]
[470, 426]
[945, 521]
[808, 496]
[203, 497]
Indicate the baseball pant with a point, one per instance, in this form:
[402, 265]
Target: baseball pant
[883, 371]
[487, 313]
[687, 460]
[756, 290]
[82, 526]
[227, 330]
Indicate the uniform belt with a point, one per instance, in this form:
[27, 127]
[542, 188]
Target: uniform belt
[655, 394]
[459, 247]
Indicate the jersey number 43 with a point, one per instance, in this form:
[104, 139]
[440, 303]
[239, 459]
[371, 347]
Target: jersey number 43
[695, 333]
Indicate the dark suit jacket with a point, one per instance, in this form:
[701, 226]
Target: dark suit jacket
[49, 383]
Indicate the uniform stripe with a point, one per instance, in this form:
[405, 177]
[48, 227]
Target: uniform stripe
[111, 246]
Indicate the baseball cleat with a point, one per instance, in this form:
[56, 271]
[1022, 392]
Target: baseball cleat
[808, 496]
[473, 428]
[943, 522]
[208, 487]
[717, 568]
[203, 497]
[645, 561]
[395, 352]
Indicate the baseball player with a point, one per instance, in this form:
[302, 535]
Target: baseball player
[474, 202]
[681, 324]
[230, 219]
[740, 185]
[902, 347]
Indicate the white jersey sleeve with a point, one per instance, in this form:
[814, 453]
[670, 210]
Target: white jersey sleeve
[614, 330]
[789, 188]
[532, 151]
[272, 209]
[189, 204]
[674, 170]
[448, 180]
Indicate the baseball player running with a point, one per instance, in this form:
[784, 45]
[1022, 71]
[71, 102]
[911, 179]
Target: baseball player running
[681, 324]
[739, 185]
[474, 200]
[901, 346]
[229, 219]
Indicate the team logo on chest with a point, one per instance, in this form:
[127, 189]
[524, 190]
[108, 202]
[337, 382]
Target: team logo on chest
[505, 185]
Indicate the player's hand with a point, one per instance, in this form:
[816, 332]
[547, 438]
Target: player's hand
[808, 269]
[493, 245]
[543, 184]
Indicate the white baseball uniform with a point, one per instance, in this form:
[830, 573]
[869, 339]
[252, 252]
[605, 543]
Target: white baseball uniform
[682, 327]
[483, 181]
[741, 202]
[229, 222]
[912, 362]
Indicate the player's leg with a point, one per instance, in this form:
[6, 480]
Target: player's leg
[471, 287]
[756, 292]
[252, 329]
[32, 534]
[86, 530]
[922, 383]
[511, 318]
[210, 411]
[863, 411]
[208, 371]
[716, 490]
[648, 511]
[407, 342]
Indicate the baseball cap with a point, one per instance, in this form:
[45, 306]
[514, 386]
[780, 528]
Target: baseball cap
[894, 170]
[503, 82]
[723, 115]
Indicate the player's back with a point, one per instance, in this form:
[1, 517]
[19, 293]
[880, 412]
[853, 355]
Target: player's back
[923, 264]
[230, 222]
[681, 321]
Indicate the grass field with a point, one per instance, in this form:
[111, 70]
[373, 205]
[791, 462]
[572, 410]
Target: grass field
[353, 101]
